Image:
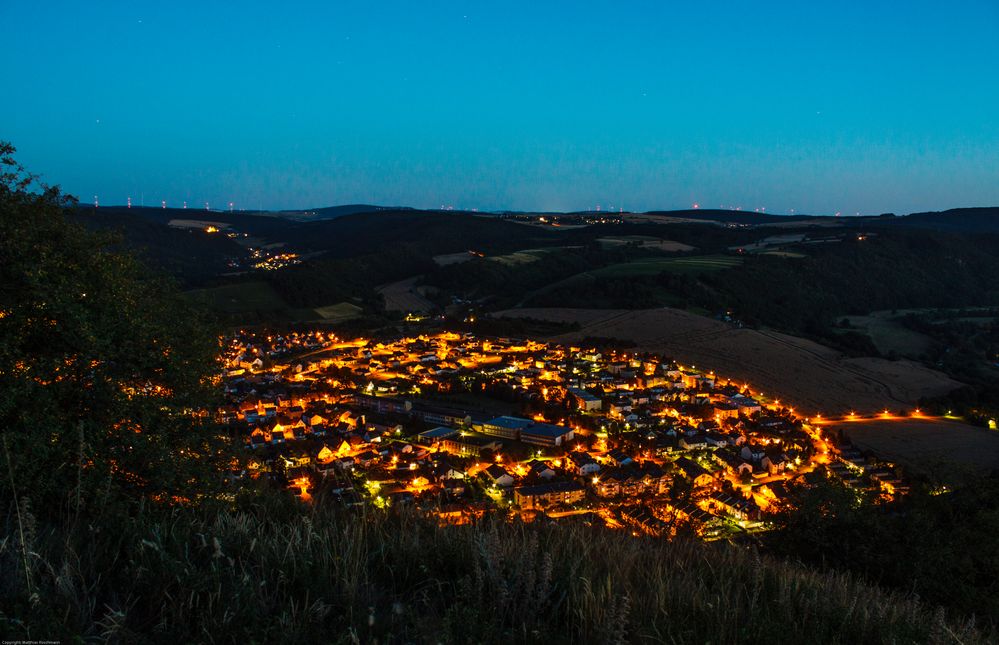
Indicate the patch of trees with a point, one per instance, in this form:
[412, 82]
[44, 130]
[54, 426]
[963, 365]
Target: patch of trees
[106, 390]
[941, 547]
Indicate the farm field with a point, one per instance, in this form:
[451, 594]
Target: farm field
[240, 297]
[654, 266]
[256, 302]
[405, 296]
[944, 450]
[525, 256]
[784, 254]
[338, 312]
[809, 376]
[645, 242]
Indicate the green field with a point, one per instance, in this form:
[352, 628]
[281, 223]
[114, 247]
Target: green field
[645, 242]
[255, 302]
[784, 254]
[525, 256]
[654, 266]
[240, 298]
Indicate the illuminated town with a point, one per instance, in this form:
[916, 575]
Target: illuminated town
[460, 426]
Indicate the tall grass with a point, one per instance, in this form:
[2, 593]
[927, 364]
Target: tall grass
[273, 573]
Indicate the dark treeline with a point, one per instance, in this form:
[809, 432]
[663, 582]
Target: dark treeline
[938, 546]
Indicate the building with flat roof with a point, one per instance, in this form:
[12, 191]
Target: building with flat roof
[546, 434]
[469, 444]
[437, 434]
[526, 430]
[545, 495]
[505, 427]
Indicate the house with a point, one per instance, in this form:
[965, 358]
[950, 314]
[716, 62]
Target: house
[694, 441]
[325, 455]
[732, 462]
[546, 495]
[443, 470]
[774, 464]
[498, 476]
[540, 469]
[581, 463]
[608, 484]
[753, 452]
[618, 457]
[841, 472]
[715, 439]
[694, 471]
[314, 420]
[367, 458]
[642, 518]
[727, 410]
[584, 400]
[740, 508]
[746, 405]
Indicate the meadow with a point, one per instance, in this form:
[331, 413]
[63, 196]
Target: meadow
[271, 572]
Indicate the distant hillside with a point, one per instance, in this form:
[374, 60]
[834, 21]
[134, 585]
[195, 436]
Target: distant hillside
[738, 217]
[332, 212]
[187, 255]
[957, 220]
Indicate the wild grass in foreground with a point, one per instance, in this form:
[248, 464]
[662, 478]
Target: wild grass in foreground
[273, 573]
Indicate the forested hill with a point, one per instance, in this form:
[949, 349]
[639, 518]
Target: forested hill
[958, 220]
[735, 217]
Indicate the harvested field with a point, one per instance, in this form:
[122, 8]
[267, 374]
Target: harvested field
[240, 297]
[339, 311]
[946, 451]
[526, 256]
[405, 296]
[645, 242]
[805, 374]
[519, 257]
[784, 254]
[655, 266]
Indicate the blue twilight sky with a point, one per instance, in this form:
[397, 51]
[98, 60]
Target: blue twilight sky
[865, 106]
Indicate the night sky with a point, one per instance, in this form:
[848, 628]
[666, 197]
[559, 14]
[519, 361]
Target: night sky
[818, 107]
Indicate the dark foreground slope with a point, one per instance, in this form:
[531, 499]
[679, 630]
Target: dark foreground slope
[274, 574]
